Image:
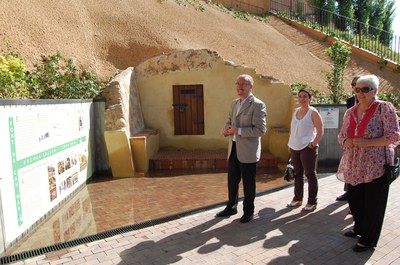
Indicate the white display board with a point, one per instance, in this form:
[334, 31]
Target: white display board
[330, 117]
[44, 154]
[2, 241]
[74, 219]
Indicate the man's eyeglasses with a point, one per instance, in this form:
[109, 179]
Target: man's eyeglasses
[241, 85]
[363, 89]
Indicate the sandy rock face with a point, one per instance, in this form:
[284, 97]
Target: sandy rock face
[105, 36]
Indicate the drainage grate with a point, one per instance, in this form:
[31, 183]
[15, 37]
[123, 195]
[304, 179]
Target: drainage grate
[88, 239]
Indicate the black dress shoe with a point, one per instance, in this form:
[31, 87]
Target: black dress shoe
[226, 212]
[246, 218]
[350, 233]
[361, 248]
[343, 197]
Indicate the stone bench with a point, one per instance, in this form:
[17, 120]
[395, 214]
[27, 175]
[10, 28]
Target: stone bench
[144, 145]
[129, 156]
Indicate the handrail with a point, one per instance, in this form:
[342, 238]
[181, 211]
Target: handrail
[346, 29]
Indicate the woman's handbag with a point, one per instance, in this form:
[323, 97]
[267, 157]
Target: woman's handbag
[289, 171]
[392, 172]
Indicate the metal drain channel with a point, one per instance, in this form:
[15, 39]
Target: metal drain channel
[88, 239]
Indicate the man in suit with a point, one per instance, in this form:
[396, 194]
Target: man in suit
[245, 126]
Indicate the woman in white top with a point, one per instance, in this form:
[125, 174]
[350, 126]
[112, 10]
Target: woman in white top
[306, 132]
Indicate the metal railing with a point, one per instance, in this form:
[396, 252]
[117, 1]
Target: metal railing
[384, 44]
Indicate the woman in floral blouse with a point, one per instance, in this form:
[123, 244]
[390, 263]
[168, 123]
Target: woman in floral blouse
[369, 128]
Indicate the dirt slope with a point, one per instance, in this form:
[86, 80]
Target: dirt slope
[110, 35]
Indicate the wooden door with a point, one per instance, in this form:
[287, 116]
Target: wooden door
[188, 109]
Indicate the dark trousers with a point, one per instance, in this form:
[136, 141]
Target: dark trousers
[237, 171]
[304, 162]
[367, 203]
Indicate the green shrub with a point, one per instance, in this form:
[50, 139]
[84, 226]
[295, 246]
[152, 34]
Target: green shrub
[13, 76]
[390, 97]
[241, 15]
[55, 77]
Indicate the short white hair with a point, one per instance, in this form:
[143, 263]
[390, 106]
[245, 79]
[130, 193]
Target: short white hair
[247, 78]
[371, 80]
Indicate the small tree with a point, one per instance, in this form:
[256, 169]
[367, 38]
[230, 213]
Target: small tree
[339, 53]
[388, 18]
[345, 9]
[362, 13]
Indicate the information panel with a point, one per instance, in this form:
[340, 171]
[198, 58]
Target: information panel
[330, 117]
[44, 154]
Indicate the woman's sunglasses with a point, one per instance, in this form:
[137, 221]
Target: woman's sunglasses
[363, 89]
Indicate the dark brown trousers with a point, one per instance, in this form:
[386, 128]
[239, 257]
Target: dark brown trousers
[304, 163]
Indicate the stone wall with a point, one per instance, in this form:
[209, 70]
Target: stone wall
[178, 61]
[122, 110]
[251, 6]
[135, 110]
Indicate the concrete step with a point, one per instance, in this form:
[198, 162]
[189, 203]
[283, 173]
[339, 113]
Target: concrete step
[200, 159]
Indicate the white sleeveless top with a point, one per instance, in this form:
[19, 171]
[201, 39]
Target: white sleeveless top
[302, 132]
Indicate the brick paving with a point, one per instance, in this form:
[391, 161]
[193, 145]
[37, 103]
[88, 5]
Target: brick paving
[108, 203]
[277, 235]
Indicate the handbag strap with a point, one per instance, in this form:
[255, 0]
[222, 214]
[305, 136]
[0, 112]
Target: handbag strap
[384, 147]
[380, 115]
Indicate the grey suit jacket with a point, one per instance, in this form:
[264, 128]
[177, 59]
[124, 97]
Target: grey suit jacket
[252, 121]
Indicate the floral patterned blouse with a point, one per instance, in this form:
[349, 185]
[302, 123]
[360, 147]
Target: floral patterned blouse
[364, 164]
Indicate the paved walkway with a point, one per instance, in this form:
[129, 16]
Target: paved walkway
[277, 235]
[107, 203]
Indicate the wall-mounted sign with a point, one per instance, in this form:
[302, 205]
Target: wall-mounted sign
[330, 117]
[44, 154]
